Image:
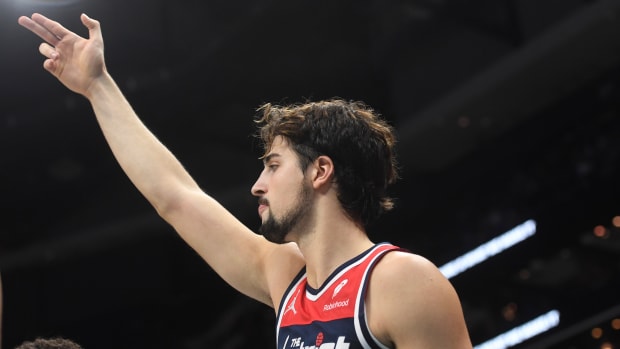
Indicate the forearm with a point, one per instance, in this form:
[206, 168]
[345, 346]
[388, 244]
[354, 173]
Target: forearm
[151, 167]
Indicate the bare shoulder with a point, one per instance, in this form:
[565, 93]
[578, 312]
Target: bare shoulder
[410, 277]
[411, 304]
[399, 263]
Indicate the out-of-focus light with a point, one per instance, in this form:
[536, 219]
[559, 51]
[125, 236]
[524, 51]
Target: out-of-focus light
[464, 121]
[524, 274]
[596, 332]
[509, 312]
[48, 3]
[489, 249]
[616, 221]
[600, 232]
[607, 345]
[524, 332]
[615, 324]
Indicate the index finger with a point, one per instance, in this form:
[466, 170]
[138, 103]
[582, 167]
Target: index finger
[45, 28]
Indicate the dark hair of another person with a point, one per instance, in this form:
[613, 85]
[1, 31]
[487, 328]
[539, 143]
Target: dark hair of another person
[354, 136]
[49, 343]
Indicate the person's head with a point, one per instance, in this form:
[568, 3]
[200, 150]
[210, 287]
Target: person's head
[356, 139]
[49, 343]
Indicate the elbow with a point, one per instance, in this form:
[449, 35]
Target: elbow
[169, 204]
[178, 205]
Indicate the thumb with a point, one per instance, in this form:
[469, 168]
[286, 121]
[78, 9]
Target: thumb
[94, 28]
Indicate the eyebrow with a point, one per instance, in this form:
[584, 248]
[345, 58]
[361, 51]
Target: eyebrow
[269, 157]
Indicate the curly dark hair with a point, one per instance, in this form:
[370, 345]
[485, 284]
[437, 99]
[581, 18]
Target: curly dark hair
[49, 343]
[357, 139]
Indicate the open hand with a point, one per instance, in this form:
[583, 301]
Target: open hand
[77, 62]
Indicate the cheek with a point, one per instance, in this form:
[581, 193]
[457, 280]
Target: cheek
[284, 200]
[286, 193]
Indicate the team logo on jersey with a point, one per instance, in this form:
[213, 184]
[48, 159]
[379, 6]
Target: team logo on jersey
[319, 343]
[292, 305]
[319, 340]
[339, 287]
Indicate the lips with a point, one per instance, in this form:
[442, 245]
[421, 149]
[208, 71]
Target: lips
[263, 204]
[261, 209]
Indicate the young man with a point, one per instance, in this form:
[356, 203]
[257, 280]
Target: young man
[330, 285]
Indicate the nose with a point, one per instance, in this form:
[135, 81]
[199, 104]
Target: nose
[259, 188]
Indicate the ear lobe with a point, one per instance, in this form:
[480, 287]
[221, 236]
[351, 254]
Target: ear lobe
[323, 171]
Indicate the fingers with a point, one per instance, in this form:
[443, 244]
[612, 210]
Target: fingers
[46, 29]
[53, 32]
[53, 27]
[48, 51]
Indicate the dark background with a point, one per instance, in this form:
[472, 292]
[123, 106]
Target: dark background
[506, 110]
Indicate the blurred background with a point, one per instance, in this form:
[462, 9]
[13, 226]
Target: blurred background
[507, 113]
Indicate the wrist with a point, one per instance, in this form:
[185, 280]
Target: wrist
[99, 86]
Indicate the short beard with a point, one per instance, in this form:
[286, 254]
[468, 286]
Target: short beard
[276, 231]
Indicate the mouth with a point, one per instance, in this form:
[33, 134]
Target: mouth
[262, 206]
[261, 209]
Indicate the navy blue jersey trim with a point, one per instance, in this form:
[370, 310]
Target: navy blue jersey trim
[290, 287]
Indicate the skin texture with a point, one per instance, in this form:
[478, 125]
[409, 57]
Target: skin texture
[410, 303]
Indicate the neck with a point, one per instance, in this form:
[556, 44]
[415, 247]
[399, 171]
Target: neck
[333, 240]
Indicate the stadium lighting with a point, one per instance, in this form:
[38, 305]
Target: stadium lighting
[489, 249]
[524, 332]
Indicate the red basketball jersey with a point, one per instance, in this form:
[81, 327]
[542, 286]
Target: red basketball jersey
[333, 316]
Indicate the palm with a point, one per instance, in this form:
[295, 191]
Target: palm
[80, 61]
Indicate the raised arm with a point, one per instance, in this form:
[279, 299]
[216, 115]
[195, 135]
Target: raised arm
[241, 257]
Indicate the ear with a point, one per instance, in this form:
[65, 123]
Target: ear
[322, 171]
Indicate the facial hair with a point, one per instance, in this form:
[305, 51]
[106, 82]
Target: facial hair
[276, 230]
